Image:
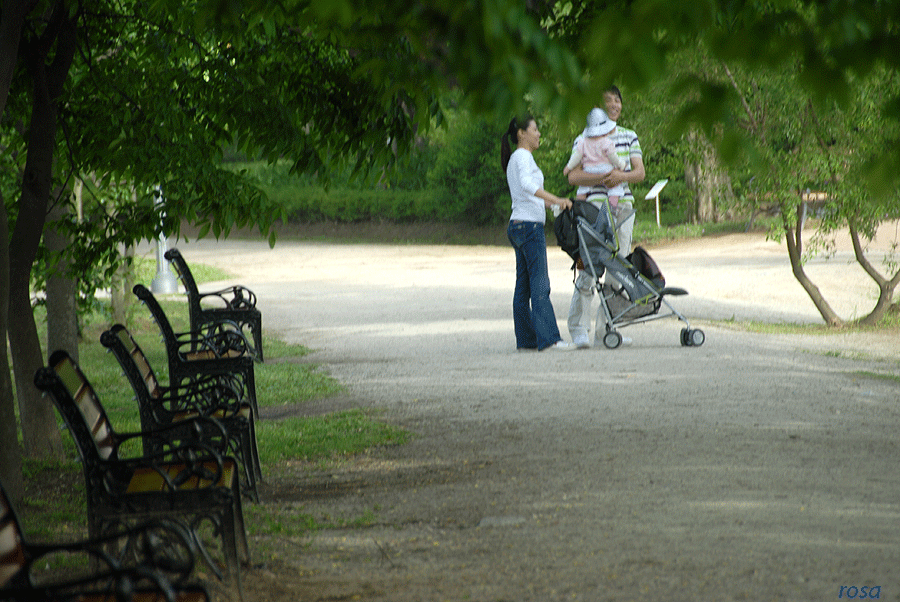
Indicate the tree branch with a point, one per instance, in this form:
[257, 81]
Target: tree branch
[861, 258]
[754, 124]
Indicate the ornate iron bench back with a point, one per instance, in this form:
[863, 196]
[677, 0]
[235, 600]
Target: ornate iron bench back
[238, 304]
[84, 399]
[139, 373]
[132, 359]
[184, 273]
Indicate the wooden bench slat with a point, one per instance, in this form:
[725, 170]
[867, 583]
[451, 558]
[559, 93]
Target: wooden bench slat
[146, 479]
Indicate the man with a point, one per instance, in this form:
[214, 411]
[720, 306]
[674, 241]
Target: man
[596, 186]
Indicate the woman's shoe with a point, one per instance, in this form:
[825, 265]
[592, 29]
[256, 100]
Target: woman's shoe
[560, 346]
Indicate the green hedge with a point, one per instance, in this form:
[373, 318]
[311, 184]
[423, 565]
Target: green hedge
[454, 177]
[306, 201]
[467, 177]
[314, 204]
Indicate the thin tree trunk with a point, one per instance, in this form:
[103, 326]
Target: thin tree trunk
[12, 19]
[10, 450]
[62, 306]
[40, 434]
[120, 289]
[708, 181]
[886, 287]
[794, 238]
[121, 296]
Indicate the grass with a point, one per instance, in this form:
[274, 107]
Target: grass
[889, 324]
[777, 327]
[291, 522]
[54, 506]
[282, 381]
[646, 231]
[878, 376]
[330, 437]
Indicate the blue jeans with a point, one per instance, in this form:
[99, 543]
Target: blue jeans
[533, 316]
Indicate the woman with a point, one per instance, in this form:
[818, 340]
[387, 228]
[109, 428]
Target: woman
[533, 317]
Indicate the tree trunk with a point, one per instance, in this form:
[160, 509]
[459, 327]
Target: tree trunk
[10, 451]
[39, 431]
[40, 434]
[121, 297]
[794, 238]
[708, 180]
[12, 19]
[886, 287]
[62, 302]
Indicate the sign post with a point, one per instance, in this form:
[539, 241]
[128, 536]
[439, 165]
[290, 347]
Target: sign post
[654, 194]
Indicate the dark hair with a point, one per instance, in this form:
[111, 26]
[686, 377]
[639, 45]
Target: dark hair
[616, 91]
[512, 133]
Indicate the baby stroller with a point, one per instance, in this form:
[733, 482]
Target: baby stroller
[642, 291]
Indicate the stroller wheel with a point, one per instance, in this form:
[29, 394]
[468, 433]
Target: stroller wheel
[692, 338]
[612, 339]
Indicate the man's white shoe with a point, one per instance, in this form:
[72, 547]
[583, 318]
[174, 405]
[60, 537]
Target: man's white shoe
[560, 346]
[582, 342]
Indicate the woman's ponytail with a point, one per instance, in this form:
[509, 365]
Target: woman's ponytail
[511, 137]
[511, 132]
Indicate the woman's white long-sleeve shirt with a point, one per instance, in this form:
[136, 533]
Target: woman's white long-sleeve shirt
[525, 178]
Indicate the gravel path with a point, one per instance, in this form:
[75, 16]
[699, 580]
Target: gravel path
[755, 467]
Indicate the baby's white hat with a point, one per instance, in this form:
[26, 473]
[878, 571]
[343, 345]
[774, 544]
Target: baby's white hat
[598, 123]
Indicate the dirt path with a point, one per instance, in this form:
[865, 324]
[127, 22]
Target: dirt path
[756, 467]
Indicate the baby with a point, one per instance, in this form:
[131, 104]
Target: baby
[596, 153]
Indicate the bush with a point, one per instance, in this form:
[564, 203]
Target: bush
[304, 200]
[313, 204]
[469, 184]
[412, 169]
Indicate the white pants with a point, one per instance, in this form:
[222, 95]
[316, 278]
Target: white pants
[580, 307]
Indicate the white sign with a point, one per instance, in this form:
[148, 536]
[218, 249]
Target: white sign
[657, 188]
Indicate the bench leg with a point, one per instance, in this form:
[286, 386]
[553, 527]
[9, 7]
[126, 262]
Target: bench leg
[230, 537]
[257, 340]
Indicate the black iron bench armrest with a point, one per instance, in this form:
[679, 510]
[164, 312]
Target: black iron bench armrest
[233, 297]
[209, 396]
[160, 544]
[220, 343]
[126, 583]
[200, 426]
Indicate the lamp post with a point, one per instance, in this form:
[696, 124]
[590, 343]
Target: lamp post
[164, 282]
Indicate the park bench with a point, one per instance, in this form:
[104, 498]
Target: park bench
[235, 305]
[188, 482]
[148, 562]
[160, 405]
[194, 356]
